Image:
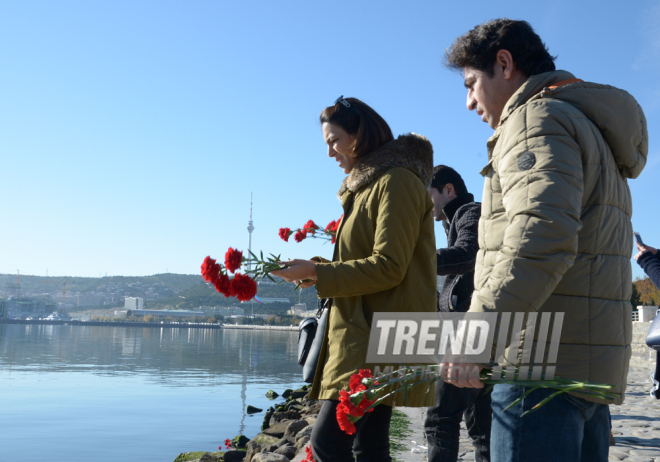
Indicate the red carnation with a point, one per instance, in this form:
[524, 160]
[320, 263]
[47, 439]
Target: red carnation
[210, 269]
[300, 235]
[223, 285]
[227, 444]
[285, 233]
[344, 421]
[233, 259]
[310, 227]
[310, 455]
[243, 287]
[330, 227]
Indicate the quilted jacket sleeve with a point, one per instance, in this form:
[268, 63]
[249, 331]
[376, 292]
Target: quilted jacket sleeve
[541, 179]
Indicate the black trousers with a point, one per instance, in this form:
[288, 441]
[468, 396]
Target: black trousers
[370, 442]
[443, 422]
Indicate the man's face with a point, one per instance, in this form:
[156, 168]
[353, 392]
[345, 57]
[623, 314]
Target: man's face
[440, 199]
[487, 95]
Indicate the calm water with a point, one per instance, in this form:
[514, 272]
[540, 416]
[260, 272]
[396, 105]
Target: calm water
[122, 394]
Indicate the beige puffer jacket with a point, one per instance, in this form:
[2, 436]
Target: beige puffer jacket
[555, 233]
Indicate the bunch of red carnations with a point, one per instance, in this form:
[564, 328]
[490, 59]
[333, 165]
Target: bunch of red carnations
[353, 405]
[241, 286]
[366, 391]
[311, 229]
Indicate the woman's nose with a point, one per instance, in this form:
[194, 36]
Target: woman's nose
[331, 152]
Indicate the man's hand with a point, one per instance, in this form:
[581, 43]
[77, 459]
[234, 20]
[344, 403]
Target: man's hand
[643, 249]
[298, 270]
[461, 375]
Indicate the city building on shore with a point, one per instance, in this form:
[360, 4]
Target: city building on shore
[134, 303]
[24, 308]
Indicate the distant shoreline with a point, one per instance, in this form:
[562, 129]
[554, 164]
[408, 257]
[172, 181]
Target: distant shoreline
[145, 324]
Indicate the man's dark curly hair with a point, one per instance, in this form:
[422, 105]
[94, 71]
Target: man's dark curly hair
[478, 48]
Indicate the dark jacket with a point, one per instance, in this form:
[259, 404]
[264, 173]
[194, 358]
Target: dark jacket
[651, 265]
[457, 261]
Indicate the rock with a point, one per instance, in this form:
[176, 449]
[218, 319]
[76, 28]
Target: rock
[294, 427]
[269, 457]
[270, 394]
[190, 456]
[310, 419]
[301, 455]
[285, 440]
[295, 407]
[272, 448]
[266, 422]
[286, 415]
[209, 457]
[287, 451]
[253, 410]
[301, 443]
[287, 393]
[234, 456]
[239, 442]
[255, 445]
[277, 430]
[313, 409]
[298, 393]
[307, 431]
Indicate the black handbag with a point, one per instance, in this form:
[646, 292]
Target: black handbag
[653, 341]
[310, 340]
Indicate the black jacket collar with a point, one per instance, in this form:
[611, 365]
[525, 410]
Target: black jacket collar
[450, 209]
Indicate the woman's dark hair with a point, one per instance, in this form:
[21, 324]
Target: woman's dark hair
[478, 48]
[443, 175]
[361, 121]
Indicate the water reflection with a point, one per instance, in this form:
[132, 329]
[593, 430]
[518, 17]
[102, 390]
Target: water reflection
[158, 391]
[163, 354]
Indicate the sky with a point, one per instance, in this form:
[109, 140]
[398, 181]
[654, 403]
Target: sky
[133, 134]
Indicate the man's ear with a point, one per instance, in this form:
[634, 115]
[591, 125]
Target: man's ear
[504, 63]
[450, 190]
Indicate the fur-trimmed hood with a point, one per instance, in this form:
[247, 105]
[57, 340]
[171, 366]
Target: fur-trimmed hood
[411, 151]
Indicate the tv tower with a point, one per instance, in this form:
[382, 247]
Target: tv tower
[250, 228]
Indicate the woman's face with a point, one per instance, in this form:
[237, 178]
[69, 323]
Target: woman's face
[340, 146]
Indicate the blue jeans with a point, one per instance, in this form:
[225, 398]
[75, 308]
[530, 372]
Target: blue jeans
[566, 429]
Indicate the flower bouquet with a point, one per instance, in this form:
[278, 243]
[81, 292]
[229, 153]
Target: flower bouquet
[366, 391]
[311, 229]
[242, 286]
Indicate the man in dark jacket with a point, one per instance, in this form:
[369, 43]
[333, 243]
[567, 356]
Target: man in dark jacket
[455, 207]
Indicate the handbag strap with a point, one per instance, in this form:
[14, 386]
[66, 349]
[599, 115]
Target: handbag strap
[322, 304]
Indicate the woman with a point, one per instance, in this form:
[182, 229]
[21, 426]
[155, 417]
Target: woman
[384, 260]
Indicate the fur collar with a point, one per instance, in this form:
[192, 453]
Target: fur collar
[411, 151]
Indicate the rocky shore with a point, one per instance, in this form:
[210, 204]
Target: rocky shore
[285, 432]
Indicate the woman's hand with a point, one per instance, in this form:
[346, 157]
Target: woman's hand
[643, 249]
[298, 270]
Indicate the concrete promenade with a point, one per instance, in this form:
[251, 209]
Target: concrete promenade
[635, 424]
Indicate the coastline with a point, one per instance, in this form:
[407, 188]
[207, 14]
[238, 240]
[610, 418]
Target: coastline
[176, 325]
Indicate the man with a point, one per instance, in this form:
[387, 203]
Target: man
[455, 207]
[555, 233]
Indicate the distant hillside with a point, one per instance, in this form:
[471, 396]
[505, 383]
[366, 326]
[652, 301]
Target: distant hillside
[40, 284]
[204, 295]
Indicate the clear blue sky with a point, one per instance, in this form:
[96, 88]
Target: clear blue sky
[132, 133]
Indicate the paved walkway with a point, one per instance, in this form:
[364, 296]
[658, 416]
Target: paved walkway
[635, 425]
